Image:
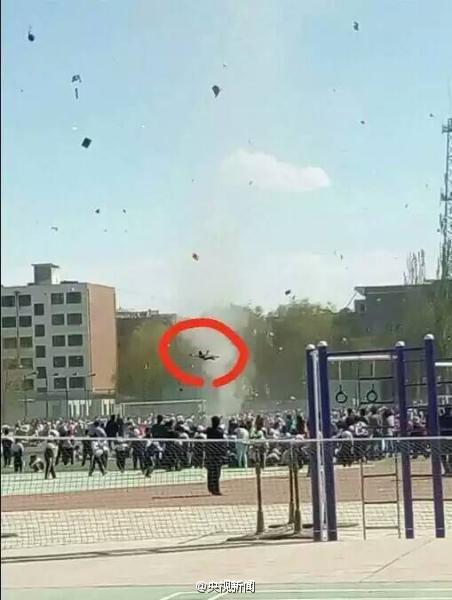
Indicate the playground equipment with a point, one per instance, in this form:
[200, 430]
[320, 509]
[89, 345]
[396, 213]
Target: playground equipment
[320, 409]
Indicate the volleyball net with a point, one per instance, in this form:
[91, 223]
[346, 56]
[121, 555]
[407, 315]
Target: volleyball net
[94, 490]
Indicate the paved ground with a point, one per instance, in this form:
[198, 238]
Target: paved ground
[78, 508]
[417, 569]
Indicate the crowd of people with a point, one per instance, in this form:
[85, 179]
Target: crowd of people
[174, 442]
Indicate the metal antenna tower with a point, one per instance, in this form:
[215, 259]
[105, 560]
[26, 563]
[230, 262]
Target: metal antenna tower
[446, 216]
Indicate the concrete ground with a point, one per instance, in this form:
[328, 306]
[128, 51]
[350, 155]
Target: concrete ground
[290, 570]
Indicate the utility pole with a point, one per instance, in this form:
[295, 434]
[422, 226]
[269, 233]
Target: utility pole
[446, 216]
[443, 287]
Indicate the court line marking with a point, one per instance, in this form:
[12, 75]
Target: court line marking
[359, 588]
[174, 595]
[331, 591]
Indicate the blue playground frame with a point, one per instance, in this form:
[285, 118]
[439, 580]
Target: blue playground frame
[319, 419]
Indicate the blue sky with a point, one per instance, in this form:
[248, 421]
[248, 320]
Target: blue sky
[298, 81]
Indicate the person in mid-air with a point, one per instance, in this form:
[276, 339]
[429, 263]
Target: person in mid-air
[205, 355]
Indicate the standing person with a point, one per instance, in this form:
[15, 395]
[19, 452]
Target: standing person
[158, 430]
[138, 447]
[50, 453]
[7, 444]
[111, 429]
[18, 452]
[120, 425]
[86, 449]
[241, 445]
[215, 452]
[122, 453]
[97, 457]
[445, 428]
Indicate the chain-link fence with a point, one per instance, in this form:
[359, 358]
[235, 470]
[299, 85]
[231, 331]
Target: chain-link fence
[83, 490]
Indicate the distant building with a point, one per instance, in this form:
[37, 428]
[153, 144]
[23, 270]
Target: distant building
[59, 335]
[382, 307]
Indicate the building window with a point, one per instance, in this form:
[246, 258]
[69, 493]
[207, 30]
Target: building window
[59, 383]
[75, 340]
[59, 362]
[58, 340]
[26, 363]
[58, 319]
[40, 351]
[26, 342]
[28, 384]
[8, 322]
[40, 330]
[76, 361]
[8, 301]
[39, 309]
[74, 319]
[9, 343]
[73, 298]
[25, 321]
[77, 382]
[25, 300]
[41, 373]
[57, 298]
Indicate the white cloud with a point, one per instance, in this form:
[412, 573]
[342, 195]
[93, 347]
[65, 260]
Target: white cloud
[269, 173]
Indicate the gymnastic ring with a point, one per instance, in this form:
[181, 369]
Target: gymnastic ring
[371, 396]
[341, 397]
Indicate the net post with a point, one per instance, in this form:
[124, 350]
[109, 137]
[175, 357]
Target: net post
[291, 488]
[260, 526]
[328, 449]
[297, 512]
[434, 431]
[404, 450]
[313, 446]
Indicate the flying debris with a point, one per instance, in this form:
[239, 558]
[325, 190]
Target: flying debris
[432, 116]
[280, 348]
[97, 211]
[76, 79]
[21, 91]
[250, 182]
[225, 66]
[363, 122]
[105, 230]
[31, 37]
[54, 228]
[334, 89]
[341, 256]
[124, 211]
[288, 292]
[86, 143]
[292, 398]
[271, 334]
[406, 205]
[355, 26]
[195, 256]
[216, 90]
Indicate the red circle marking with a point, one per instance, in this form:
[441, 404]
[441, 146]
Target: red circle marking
[195, 380]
